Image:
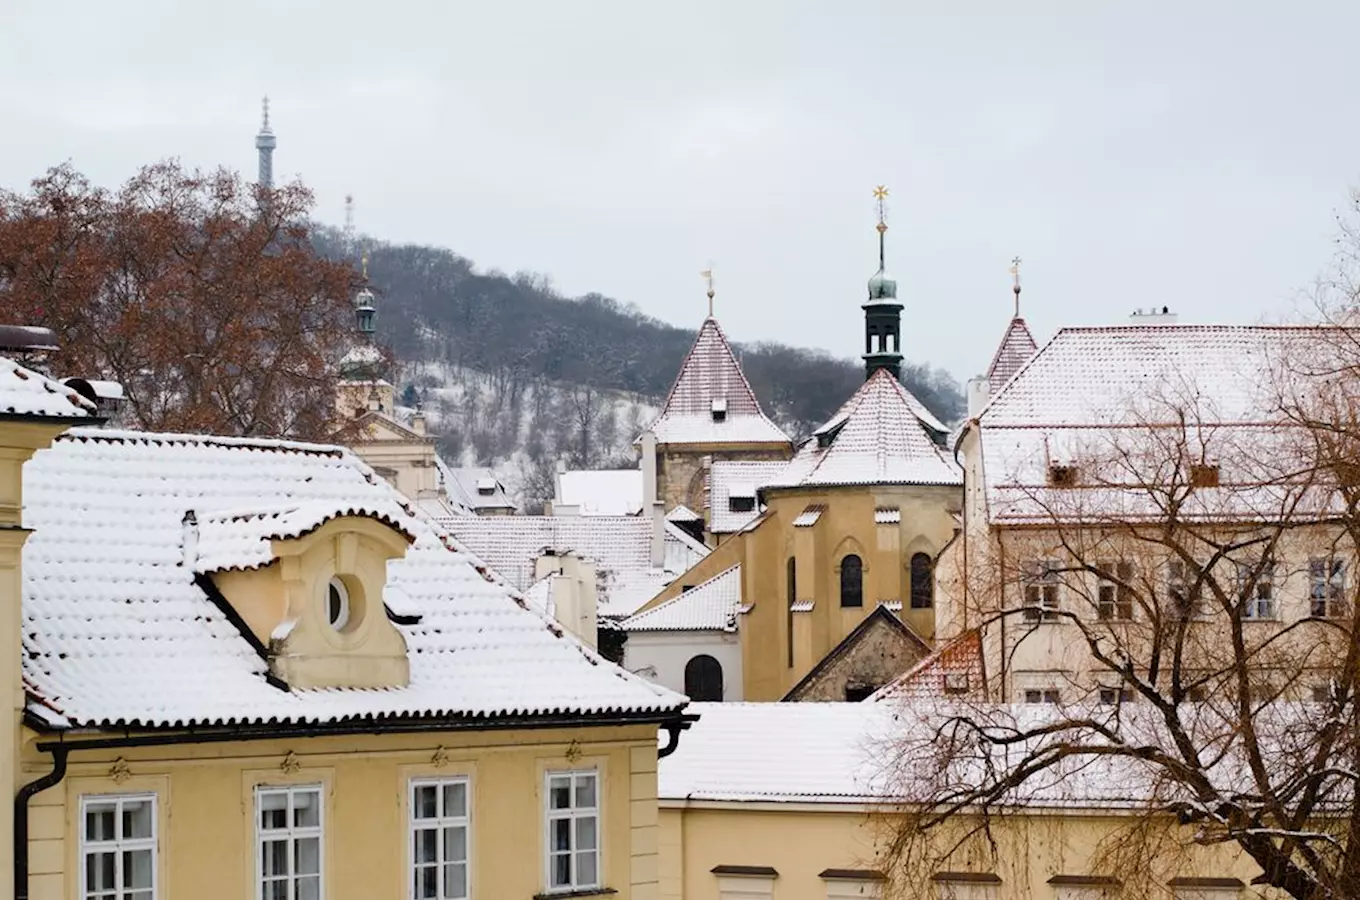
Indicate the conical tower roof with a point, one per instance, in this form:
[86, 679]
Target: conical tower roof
[1016, 347]
[711, 400]
[882, 435]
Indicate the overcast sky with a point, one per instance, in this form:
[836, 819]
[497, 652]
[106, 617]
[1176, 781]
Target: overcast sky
[1188, 154]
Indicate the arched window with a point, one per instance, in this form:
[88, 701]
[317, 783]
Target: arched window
[704, 679]
[852, 581]
[922, 581]
[793, 598]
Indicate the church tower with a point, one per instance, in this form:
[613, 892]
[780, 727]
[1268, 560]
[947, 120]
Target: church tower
[265, 142]
[882, 311]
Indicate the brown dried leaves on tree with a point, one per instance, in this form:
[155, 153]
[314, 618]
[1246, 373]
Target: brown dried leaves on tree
[199, 293]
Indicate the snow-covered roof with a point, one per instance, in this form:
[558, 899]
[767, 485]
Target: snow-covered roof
[241, 538]
[1016, 347]
[683, 513]
[474, 489]
[727, 479]
[882, 435]
[117, 630]
[955, 668]
[603, 492]
[789, 752]
[24, 392]
[692, 413]
[1093, 397]
[620, 547]
[710, 606]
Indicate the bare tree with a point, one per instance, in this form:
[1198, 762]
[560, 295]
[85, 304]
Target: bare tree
[1175, 608]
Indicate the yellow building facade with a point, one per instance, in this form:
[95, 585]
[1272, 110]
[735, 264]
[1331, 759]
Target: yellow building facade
[250, 669]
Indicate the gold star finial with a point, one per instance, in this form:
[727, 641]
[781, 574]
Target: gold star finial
[707, 275]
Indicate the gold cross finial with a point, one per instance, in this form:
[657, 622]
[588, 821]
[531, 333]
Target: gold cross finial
[707, 275]
[881, 195]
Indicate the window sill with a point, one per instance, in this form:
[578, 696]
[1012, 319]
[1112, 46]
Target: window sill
[565, 895]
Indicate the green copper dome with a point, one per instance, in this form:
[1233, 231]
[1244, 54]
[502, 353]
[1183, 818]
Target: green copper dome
[882, 286]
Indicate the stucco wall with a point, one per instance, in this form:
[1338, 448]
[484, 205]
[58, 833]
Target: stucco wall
[800, 841]
[206, 808]
[667, 653]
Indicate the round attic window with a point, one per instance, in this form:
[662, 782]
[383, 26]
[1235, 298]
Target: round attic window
[337, 604]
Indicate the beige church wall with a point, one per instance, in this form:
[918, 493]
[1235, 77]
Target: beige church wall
[801, 841]
[411, 461]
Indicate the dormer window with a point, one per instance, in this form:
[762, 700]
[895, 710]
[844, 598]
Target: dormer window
[1063, 476]
[719, 409]
[741, 498]
[337, 604]
[1204, 476]
[486, 486]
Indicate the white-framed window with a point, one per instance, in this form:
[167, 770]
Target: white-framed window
[439, 838]
[288, 841]
[1112, 696]
[573, 816]
[1114, 592]
[1257, 583]
[1185, 595]
[337, 604]
[1042, 591]
[118, 847]
[1326, 587]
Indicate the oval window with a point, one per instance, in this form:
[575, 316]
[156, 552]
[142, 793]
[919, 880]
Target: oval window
[337, 604]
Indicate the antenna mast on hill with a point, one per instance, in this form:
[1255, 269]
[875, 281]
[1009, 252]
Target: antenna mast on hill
[349, 225]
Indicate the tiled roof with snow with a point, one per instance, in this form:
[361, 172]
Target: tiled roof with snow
[474, 489]
[955, 668]
[711, 606]
[711, 379]
[856, 753]
[683, 513]
[877, 437]
[241, 538]
[789, 752]
[727, 479]
[118, 632]
[24, 392]
[1016, 347]
[620, 547]
[605, 492]
[1092, 397]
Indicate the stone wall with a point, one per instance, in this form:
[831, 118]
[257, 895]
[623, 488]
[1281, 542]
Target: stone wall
[879, 654]
[680, 471]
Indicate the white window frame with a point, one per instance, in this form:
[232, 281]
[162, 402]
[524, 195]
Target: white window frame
[1041, 592]
[1114, 595]
[291, 834]
[572, 813]
[1180, 581]
[1326, 585]
[1035, 696]
[441, 821]
[119, 845]
[1261, 606]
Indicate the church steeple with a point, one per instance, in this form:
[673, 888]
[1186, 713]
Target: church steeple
[882, 311]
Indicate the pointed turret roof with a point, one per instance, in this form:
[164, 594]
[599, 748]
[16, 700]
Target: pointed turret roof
[882, 435]
[711, 401]
[1015, 349]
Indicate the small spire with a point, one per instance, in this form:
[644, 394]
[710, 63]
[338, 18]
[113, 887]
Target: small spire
[264, 125]
[364, 260]
[1015, 272]
[707, 275]
[881, 196]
